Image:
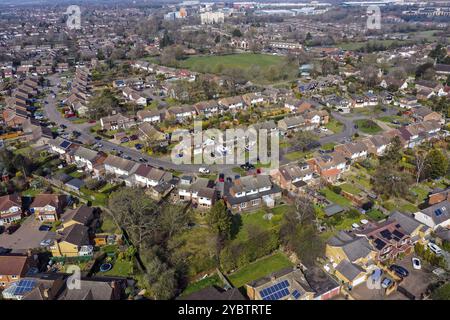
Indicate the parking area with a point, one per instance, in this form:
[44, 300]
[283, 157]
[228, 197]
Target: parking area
[27, 236]
[416, 283]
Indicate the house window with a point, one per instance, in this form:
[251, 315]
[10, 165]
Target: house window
[13, 277]
[243, 205]
[255, 202]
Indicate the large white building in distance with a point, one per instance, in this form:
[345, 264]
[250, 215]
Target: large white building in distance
[212, 17]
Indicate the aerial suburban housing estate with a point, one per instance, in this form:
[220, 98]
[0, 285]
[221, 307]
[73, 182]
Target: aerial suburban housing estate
[214, 150]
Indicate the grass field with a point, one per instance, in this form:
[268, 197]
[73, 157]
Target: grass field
[334, 126]
[368, 126]
[242, 61]
[375, 215]
[335, 198]
[347, 187]
[213, 280]
[259, 269]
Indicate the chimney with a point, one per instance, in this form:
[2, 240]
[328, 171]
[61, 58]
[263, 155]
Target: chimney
[46, 293]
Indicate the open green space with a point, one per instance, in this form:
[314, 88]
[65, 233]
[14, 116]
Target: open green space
[347, 187]
[334, 126]
[245, 61]
[259, 269]
[335, 198]
[213, 280]
[375, 215]
[368, 126]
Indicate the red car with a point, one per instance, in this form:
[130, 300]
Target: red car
[92, 121]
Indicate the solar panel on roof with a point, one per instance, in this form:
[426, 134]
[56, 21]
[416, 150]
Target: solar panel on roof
[398, 233]
[386, 234]
[438, 212]
[379, 244]
[64, 144]
[296, 294]
[276, 291]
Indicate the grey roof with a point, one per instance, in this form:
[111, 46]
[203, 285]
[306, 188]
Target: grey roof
[354, 248]
[86, 153]
[82, 214]
[90, 290]
[75, 183]
[349, 270]
[443, 233]
[433, 212]
[76, 234]
[333, 209]
[407, 222]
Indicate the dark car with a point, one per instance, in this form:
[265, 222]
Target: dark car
[13, 228]
[98, 138]
[76, 133]
[45, 227]
[4, 250]
[124, 140]
[134, 137]
[138, 146]
[63, 126]
[2, 229]
[399, 270]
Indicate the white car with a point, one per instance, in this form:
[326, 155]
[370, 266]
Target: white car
[355, 226]
[416, 263]
[46, 243]
[433, 247]
[203, 170]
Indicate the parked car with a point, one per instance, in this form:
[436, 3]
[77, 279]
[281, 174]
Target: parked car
[46, 243]
[98, 138]
[399, 270]
[133, 137]
[124, 140]
[138, 146]
[4, 250]
[2, 229]
[12, 228]
[386, 283]
[416, 263]
[45, 227]
[433, 247]
[203, 170]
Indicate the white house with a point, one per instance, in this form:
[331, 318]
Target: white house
[438, 215]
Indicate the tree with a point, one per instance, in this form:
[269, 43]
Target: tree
[303, 140]
[236, 33]
[419, 161]
[436, 164]
[392, 154]
[136, 213]
[220, 220]
[388, 181]
[304, 210]
[173, 219]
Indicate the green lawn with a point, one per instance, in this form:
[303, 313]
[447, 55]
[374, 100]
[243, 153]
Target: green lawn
[347, 187]
[108, 224]
[121, 268]
[421, 193]
[335, 198]
[244, 61]
[368, 126]
[296, 155]
[259, 269]
[334, 126]
[328, 146]
[257, 218]
[375, 215]
[213, 280]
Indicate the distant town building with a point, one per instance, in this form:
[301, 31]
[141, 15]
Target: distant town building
[212, 17]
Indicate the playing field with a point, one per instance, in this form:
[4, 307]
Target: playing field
[214, 64]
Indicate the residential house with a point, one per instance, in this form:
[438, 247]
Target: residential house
[294, 124]
[87, 158]
[388, 239]
[115, 122]
[95, 289]
[201, 191]
[73, 241]
[286, 284]
[232, 103]
[48, 207]
[134, 96]
[439, 195]
[10, 209]
[251, 192]
[182, 113]
[376, 144]
[119, 166]
[435, 216]
[152, 116]
[13, 268]
[82, 215]
[354, 151]
[293, 177]
[425, 114]
[254, 98]
[329, 166]
[147, 176]
[351, 257]
[207, 108]
[416, 230]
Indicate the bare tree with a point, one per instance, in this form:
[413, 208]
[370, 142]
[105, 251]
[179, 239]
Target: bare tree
[420, 163]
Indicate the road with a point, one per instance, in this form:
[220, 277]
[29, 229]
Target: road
[87, 137]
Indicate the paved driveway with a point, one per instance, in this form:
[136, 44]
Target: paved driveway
[27, 236]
